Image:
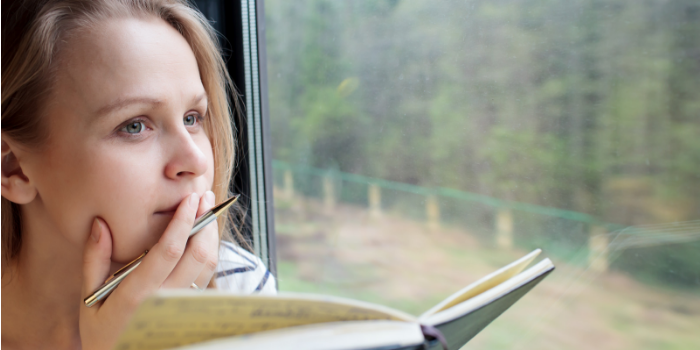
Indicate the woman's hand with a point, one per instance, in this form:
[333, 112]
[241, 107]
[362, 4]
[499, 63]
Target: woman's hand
[174, 262]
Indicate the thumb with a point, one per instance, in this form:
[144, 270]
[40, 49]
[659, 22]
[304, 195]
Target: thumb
[96, 257]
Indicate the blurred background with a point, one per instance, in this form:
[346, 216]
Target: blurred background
[420, 145]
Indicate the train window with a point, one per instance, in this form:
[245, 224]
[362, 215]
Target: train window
[418, 145]
[238, 23]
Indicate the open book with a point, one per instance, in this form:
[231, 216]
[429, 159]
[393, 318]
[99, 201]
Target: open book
[221, 320]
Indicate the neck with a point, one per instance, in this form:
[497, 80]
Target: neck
[41, 289]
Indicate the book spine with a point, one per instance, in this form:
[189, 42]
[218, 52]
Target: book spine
[431, 333]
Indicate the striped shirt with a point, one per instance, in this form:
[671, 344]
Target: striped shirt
[242, 272]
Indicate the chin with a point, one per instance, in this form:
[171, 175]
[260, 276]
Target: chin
[130, 249]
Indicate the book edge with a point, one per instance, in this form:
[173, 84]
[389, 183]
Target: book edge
[492, 295]
[321, 298]
[327, 330]
[517, 265]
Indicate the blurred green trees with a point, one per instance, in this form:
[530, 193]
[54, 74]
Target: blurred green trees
[591, 106]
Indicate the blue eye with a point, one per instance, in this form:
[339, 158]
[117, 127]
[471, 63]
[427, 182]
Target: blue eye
[190, 119]
[134, 127]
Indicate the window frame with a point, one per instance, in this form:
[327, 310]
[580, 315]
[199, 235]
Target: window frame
[241, 28]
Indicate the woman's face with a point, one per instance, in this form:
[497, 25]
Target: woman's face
[127, 141]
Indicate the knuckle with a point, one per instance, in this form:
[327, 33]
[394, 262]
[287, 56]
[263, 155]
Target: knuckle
[212, 262]
[200, 253]
[172, 252]
[132, 301]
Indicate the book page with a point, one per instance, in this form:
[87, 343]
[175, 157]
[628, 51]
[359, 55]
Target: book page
[326, 336]
[175, 318]
[458, 331]
[485, 283]
[466, 307]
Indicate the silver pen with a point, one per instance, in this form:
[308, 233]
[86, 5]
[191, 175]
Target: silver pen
[117, 277]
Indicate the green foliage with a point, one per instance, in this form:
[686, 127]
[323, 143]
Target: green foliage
[523, 164]
[677, 265]
[590, 106]
[331, 126]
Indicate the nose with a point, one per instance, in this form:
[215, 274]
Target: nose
[186, 159]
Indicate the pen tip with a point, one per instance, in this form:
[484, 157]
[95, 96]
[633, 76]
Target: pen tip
[225, 204]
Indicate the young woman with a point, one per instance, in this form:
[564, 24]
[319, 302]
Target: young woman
[116, 134]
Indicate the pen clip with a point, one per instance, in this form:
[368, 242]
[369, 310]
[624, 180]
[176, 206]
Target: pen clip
[114, 275]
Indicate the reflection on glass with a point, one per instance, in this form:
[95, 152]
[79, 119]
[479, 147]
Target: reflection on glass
[420, 145]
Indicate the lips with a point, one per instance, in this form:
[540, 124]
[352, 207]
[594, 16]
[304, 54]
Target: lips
[168, 211]
[171, 209]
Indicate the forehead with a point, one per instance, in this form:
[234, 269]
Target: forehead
[127, 57]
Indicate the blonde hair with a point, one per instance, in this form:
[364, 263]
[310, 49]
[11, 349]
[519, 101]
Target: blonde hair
[32, 33]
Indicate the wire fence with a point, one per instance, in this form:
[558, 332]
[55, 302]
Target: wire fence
[577, 238]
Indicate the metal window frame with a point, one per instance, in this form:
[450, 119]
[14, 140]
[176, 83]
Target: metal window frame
[242, 27]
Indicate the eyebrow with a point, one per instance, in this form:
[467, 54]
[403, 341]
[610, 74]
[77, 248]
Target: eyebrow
[125, 102]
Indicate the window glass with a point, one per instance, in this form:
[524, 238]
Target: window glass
[420, 145]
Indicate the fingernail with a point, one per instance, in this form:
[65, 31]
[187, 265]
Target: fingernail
[210, 197]
[194, 199]
[96, 230]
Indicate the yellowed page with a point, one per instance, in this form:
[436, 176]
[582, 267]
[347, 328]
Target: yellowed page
[484, 284]
[176, 318]
[325, 336]
[493, 295]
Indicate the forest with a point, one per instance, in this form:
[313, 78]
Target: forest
[591, 106]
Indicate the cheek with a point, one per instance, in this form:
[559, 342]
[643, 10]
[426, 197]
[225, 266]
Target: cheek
[65, 179]
[94, 182]
[120, 185]
[131, 189]
[210, 168]
[208, 153]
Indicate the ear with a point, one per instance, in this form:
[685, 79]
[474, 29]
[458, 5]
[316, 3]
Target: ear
[16, 186]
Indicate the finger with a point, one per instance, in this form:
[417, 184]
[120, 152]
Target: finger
[96, 257]
[200, 254]
[206, 203]
[212, 235]
[157, 265]
[214, 242]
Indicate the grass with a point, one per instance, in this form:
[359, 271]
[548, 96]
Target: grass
[399, 262]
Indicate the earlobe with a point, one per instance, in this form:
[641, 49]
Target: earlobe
[16, 186]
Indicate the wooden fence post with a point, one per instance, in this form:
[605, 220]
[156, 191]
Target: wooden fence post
[432, 210]
[598, 248]
[288, 185]
[504, 228]
[329, 197]
[375, 201]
